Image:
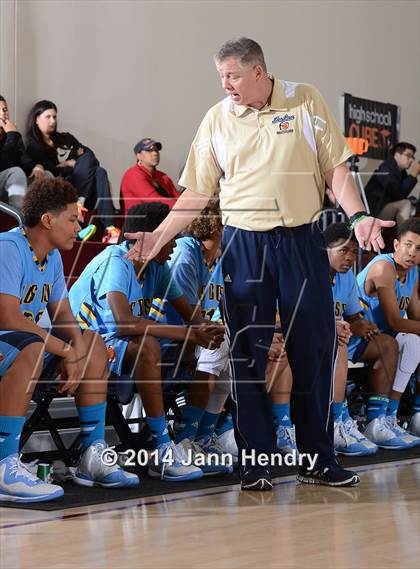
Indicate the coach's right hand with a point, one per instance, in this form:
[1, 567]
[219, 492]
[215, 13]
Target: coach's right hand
[71, 373]
[208, 335]
[145, 248]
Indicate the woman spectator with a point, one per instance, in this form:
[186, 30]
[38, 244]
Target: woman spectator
[12, 177]
[63, 155]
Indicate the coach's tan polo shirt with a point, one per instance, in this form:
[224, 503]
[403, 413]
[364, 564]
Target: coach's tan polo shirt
[270, 164]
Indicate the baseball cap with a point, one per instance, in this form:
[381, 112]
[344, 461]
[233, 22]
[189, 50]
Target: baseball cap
[147, 144]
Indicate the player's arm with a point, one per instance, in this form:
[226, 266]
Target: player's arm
[12, 319]
[65, 325]
[190, 313]
[382, 277]
[129, 325]
[413, 310]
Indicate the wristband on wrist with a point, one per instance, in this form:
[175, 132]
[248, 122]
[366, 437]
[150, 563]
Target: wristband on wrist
[355, 218]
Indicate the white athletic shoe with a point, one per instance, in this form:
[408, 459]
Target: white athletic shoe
[349, 441]
[379, 432]
[414, 426]
[207, 456]
[392, 422]
[18, 484]
[170, 462]
[227, 443]
[93, 471]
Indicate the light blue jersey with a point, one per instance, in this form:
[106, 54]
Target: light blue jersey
[202, 285]
[403, 291]
[35, 283]
[109, 272]
[346, 295]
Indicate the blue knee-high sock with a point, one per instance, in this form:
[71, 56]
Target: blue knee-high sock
[377, 406]
[227, 425]
[191, 416]
[207, 425]
[92, 423]
[392, 408]
[281, 414]
[10, 431]
[416, 404]
[337, 410]
[159, 429]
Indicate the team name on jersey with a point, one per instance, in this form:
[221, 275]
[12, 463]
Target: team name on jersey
[213, 291]
[340, 307]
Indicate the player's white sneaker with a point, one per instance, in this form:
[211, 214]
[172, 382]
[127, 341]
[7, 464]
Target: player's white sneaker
[93, 471]
[18, 484]
[379, 432]
[170, 462]
[349, 441]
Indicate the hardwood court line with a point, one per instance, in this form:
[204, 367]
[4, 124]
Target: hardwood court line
[282, 480]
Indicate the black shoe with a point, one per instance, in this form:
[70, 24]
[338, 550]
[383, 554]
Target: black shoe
[329, 476]
[256, 478]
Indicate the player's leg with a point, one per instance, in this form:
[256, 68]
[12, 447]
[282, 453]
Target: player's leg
[348, 440]
[142, 361]
[92, 469]
[279, 383]
[20, 367]
[408, 360]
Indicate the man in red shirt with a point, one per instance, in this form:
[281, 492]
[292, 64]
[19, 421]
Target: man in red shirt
[143, 182]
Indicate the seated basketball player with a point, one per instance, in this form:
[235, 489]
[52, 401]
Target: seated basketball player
[388, 287]
[31, 281]
[367, 344]
[196, 270]
[113, 296]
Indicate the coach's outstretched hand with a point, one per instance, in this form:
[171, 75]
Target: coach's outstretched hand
[368, 233]
[146, 247]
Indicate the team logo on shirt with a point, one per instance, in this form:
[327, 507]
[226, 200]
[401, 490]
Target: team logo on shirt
[283, 123]
[1, 357]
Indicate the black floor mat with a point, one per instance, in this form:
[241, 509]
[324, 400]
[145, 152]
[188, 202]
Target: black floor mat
[76, 496]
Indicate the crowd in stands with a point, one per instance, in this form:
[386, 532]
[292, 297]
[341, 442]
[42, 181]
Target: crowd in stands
[126, 317]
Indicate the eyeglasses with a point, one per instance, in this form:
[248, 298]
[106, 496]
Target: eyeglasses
[409, 155]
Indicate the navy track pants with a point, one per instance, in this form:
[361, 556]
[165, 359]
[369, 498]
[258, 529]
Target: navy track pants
[288, 266]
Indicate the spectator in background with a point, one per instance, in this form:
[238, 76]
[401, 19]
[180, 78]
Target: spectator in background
[12, 178]
[143, 182]
[388, 189]
[63, 155]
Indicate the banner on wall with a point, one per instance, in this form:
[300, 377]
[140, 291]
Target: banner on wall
[378, 123]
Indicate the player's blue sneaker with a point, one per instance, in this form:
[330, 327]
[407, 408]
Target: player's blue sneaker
[350, 442]
[286, 439]
[92, 470]
[392, 423]
[211, 463]
[170, 462]
[18, 484]
[216, 454]
[379, 431]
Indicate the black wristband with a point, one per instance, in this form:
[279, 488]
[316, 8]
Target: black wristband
[356, 216]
